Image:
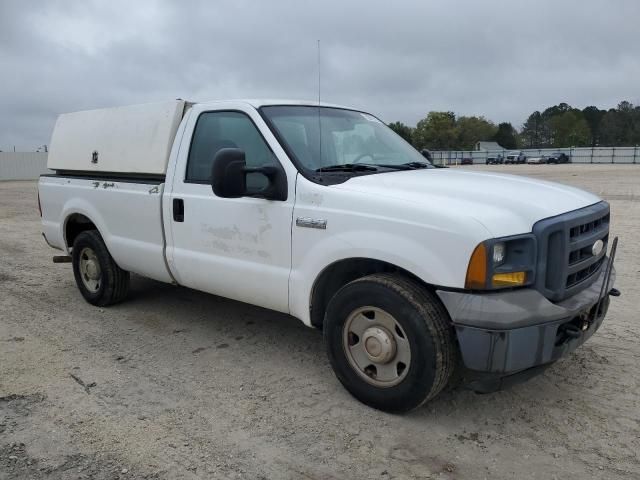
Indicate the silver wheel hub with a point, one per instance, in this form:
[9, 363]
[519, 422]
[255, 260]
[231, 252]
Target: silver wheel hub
[90, 271]
[376, 346]
[379, 344]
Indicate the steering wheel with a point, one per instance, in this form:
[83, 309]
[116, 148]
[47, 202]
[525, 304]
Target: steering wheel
[361, 156]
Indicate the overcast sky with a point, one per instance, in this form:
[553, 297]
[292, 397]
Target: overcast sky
[397, 59]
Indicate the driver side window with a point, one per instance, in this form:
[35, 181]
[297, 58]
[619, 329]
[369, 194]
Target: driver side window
[217, 130]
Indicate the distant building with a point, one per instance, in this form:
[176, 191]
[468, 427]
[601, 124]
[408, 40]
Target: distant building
[488, 146]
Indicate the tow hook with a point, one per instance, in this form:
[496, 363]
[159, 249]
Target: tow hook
[572, 331]
[586, 322]
[614, 292]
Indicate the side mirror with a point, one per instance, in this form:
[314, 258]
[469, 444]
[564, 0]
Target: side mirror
[227, 173]
[229, 177]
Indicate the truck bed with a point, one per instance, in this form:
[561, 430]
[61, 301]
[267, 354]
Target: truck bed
[127, 213]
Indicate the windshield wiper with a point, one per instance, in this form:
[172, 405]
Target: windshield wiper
[418, 164]
[405, 166]
[371, 167]
[348, 167]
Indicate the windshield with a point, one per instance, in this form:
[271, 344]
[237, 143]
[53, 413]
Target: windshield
[348, 138]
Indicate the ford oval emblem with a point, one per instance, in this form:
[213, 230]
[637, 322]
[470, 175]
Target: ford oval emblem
[597, 247]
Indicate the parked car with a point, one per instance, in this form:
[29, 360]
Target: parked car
[497, 160]
[466, 161]
[410, 271]
[558, 157]
[537, 160]
[515, 157]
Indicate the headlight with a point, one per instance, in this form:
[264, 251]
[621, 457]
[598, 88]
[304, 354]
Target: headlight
[498, 253]
[501, 263]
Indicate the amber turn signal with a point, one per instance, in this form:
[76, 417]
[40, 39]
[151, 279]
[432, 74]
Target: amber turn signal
[511, 279]
[477, 270]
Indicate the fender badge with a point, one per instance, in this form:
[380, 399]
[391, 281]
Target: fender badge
[308, 222]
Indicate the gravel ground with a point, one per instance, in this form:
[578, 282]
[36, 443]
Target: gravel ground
[179, 384]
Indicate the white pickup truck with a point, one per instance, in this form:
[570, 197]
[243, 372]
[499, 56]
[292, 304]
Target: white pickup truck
[324, 213]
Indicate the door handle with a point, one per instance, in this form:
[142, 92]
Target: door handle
[178, 210]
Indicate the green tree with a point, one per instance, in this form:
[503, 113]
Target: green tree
[556, 110]
[621, 126]
[546, 131]
[403, 130]
[471, 130]
[506, 136]
[593, 116]
[635, 126]
[531, 134]
[436, 132]
[629, 123]
[611, 129]
[570, 129]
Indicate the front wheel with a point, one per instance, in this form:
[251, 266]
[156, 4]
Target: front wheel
[100, 280]
[389, 341]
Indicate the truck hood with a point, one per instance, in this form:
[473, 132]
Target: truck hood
[504, 204]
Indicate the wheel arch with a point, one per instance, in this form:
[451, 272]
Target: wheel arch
[79, 215]
[337, 274]
[74, 224]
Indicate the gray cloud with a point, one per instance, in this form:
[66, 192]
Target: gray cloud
[400, 59]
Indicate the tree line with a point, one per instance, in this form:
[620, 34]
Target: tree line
[559, 126]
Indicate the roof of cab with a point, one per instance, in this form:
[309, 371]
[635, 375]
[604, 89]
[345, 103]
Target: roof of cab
[263, 102]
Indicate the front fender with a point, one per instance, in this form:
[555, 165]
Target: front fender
[430, 242]
[311, 258]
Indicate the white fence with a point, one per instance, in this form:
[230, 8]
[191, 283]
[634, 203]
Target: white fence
[22, 165]
[577, 155]
[30, 165]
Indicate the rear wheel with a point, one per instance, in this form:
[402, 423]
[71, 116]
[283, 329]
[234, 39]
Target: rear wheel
[100, 280]
[389, 342]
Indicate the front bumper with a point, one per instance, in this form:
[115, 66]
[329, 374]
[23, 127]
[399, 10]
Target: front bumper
[504, 333]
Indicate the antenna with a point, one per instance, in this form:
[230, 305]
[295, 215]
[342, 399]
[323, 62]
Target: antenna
[318, 72]
[319, 119]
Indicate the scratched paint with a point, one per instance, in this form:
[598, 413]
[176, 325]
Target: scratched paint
[232, 241]
[233, 249]
[230, 234]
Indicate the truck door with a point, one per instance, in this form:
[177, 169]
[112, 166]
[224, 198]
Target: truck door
[238, 248]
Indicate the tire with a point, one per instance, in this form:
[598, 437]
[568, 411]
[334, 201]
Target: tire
[100, 280]
[422, 324]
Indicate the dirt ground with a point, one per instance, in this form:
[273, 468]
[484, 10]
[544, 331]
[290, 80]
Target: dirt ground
[176, 384]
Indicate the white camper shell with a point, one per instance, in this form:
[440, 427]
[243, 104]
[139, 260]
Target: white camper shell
[133, 139]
